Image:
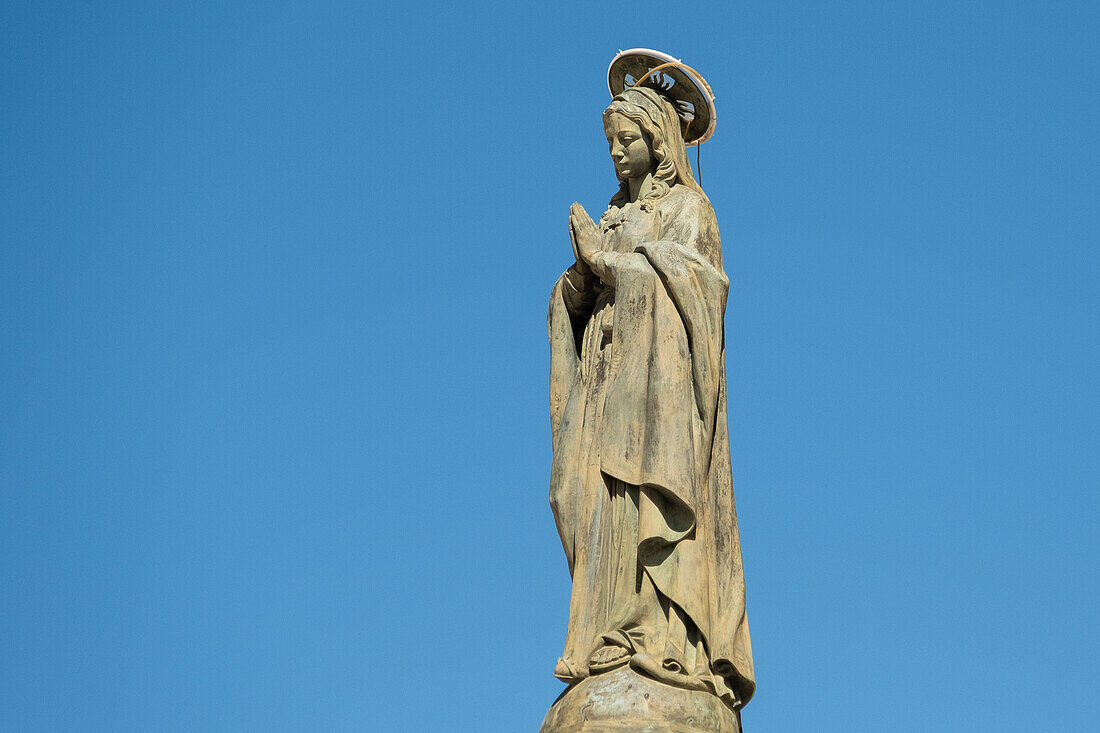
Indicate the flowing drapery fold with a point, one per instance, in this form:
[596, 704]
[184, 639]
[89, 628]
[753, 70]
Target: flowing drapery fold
[638, 409]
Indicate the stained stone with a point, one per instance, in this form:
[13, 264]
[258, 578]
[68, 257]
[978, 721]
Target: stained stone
[622, 700]
[641, 485]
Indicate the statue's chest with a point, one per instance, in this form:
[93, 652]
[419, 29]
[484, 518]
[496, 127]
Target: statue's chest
[631, 229]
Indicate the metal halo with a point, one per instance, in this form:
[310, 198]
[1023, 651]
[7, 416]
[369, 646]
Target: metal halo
[683, 86]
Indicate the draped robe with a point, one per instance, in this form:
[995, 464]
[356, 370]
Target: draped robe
[641, 485]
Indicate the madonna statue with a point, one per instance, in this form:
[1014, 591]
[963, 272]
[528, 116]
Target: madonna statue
[641, 485]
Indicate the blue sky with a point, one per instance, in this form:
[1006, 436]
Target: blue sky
[274, 444]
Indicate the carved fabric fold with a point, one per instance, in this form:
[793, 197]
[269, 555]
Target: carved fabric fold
[641, 486]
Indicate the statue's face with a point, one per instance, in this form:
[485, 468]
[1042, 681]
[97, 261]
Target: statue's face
[629, 147]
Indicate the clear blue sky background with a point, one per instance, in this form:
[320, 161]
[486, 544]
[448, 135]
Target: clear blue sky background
[274, 441]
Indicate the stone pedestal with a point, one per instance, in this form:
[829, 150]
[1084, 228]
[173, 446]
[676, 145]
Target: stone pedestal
[623, 701]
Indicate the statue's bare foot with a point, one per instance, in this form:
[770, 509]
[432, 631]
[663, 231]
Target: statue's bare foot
[608, 657]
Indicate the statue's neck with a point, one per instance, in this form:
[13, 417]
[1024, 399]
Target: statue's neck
[640, 186]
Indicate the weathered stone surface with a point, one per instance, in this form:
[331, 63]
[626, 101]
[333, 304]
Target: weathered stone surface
[641, 484]
[622, 701]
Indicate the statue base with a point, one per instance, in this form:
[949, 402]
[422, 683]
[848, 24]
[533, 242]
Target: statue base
[623, 701]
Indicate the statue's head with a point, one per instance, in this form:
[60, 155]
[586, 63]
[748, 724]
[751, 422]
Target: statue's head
[643, 134]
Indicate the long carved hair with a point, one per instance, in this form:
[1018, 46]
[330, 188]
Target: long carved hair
[657, 118]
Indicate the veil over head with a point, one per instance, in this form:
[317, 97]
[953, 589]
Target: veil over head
[663, 118]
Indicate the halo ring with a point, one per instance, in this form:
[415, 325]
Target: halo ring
[682, 85]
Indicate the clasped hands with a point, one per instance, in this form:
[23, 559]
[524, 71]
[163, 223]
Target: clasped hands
[585, 236]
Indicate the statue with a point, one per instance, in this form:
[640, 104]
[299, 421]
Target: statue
[641, 484]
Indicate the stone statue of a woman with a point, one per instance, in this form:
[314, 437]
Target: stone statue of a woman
[641, 485]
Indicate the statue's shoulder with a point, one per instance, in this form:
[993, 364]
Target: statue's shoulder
[682, 201]
[681, 197]
[688, 218]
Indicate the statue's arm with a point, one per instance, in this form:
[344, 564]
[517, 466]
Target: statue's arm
[610, 266]
[579, 290]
